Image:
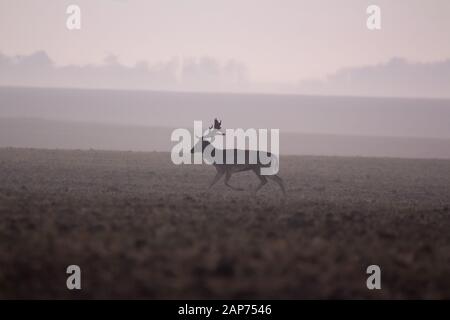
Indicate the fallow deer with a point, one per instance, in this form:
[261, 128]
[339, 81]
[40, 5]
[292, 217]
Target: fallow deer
[228, 168]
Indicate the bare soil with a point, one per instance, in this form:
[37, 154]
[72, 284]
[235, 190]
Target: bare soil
[141, 227]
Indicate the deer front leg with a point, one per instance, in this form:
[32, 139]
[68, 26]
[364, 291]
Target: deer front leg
[227, 178]
[263, 180]
[219, 175]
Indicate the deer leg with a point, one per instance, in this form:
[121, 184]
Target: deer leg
[227, 178]
[263, 181]
[279, 181]
[219, 175]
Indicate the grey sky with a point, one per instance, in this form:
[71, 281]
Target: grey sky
[277, 41]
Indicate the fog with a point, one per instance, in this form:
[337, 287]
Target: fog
[397, 77]
[143, 121]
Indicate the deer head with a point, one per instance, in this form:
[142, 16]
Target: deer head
[214, 130]
[217, 124]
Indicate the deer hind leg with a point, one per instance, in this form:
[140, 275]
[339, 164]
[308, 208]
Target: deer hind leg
[279, 181]
[263, 180]
[219, 175]
[227, 178]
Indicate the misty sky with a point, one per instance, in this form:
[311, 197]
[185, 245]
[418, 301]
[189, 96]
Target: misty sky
[276, 41]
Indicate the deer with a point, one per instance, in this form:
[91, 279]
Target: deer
[228, 169]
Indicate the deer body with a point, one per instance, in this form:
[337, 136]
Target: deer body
[228, 168]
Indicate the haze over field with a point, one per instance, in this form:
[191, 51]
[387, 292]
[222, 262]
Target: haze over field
[143, 121]
[396, 77]
[169, 50]
[308, 47]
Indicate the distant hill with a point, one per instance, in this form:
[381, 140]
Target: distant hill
[354, 116]
[52, 134]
